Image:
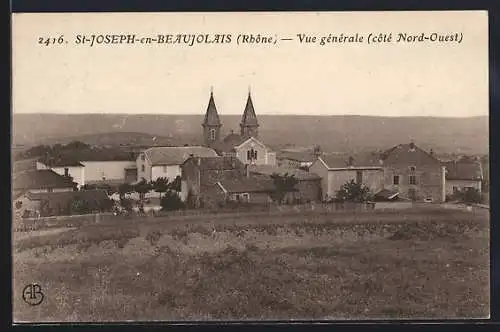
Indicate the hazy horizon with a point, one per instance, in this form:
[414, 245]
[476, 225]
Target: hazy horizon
[258, 115]
[396, 80]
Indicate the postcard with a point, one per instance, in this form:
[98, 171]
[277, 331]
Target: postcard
[250, 166]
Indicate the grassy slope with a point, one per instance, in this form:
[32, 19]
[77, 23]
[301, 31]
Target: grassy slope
[430, 265]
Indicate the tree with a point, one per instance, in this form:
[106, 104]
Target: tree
[125, 188]
[470, 195]
[161, 185]
[142, 188]
[176, 184]
[283, 184]
[171, 201]
[354, 192]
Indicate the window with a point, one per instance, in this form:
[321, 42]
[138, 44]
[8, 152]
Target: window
[212, 134]
[413, 179]
[456, 190]
[412, 169]
[249, 155]
[359, 177]
[143, 169]
[395, 180]
[66, 171]
[143, 158]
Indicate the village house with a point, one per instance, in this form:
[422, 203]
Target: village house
[157, 162]
[36, 181]
[405, 171]
[45, 204]
[414, 173]
[65, 167]
[246, 145]
[97, 166]
[336, 170]
[298, 158]
[253, 189]
[308, 183]
[463, 174]
[200, 174]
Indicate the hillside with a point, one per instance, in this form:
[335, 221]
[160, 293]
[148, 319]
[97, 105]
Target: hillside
[333, 133]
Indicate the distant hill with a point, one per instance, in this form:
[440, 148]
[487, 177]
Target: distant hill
[332, 133]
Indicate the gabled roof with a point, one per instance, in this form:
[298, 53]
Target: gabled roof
[231, 141]
[63, 161]
[40, 179]
[249, 117]
[219, 163]
[211, 116]
[299, 174]
[359, 161]
[176, 155]
[64, 198]
[253, 183]
[408, 154]
[301, 156]
[460, 170]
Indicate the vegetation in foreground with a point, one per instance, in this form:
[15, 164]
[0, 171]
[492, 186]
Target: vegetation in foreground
[429, 266]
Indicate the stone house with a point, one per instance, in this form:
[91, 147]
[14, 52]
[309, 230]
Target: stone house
[166, 162]
[308, 183]
[200, 175]
[463, 174]
[404, 170]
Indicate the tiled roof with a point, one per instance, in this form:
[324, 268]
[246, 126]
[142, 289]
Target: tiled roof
[366, 160]
[64, 161]
[299, 174]
[457, 170]
[40, 179]
[253, 183]
[229, 142]
[408, 154]
[63, 198]
[220, 163]
[176, 155]
[249, 117]
[302, 156]
[211, 115]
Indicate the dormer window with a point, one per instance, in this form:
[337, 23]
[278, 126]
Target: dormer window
[412, 169]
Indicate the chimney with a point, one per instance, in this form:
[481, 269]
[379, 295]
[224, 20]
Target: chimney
[431, 152]
[443, 184]
[351, 161]
[317, 151]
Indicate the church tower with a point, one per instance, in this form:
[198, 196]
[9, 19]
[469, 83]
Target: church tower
[212, 124]
[249, 125]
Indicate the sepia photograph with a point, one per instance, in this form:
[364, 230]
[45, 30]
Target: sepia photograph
[250, 166]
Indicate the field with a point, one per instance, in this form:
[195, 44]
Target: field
[379, 265]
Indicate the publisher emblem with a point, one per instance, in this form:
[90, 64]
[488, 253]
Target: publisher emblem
[32, 294]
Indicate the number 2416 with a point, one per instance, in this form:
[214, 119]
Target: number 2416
[51, 40]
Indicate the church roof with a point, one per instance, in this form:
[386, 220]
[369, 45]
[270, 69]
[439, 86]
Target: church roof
[211, 115]
[249, 117]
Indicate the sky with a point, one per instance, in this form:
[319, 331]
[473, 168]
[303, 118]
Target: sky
[289, 77]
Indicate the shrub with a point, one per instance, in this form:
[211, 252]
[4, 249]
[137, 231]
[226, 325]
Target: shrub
[354, 192]
[171, 202]
[153, 237]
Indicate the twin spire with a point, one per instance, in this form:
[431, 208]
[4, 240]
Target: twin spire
[248, 124]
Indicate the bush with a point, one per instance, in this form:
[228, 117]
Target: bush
[353, 192]
[171, 202]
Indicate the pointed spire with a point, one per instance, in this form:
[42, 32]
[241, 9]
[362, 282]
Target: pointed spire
[249, 117]
[211, 115]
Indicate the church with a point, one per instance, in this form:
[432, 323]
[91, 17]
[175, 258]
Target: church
[246, 145]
